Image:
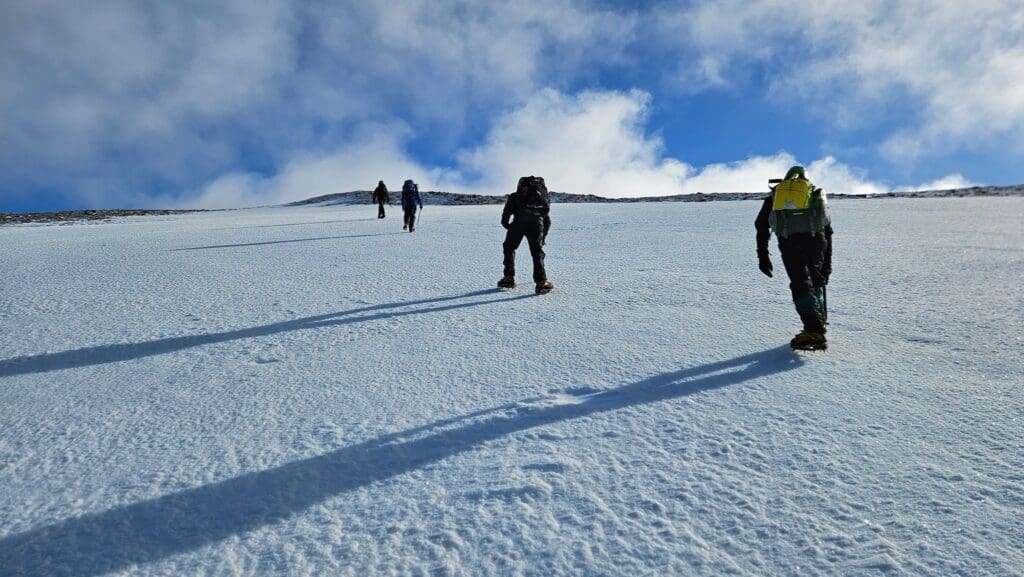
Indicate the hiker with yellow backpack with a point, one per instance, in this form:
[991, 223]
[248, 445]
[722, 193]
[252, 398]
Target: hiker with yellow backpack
[797, 212]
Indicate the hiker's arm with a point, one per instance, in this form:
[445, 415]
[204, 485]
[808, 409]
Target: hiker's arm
[764, 232]
[826, 267]
[506, 213]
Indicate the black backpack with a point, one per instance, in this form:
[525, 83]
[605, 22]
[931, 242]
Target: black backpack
[533, 195]
[532, 186]
[409, 190]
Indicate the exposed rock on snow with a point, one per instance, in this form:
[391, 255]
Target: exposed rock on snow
[451, 198]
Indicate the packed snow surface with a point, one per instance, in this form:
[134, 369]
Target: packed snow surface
[312, 391]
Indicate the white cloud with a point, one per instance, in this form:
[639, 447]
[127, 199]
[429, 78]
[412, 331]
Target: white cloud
[748, 175]
[120, 91]
[81, 79]
[835, 176]
[590, 143]
[374, 155]
[957, 66]
[950, 182]
[439, 61]
[596, 143]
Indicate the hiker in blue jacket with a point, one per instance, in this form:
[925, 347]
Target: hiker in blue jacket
[410, 199]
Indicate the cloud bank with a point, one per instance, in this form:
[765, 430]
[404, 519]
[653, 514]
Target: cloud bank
[137, 103]
[954, 66]
[591, 143]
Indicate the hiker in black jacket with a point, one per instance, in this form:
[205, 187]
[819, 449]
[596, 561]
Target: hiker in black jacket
[798, 213]
[528, 206]
[380, 196]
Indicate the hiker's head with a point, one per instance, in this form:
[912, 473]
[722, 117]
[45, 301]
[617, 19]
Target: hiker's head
[796, 172]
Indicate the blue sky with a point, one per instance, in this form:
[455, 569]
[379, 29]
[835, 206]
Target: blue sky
[147, 104]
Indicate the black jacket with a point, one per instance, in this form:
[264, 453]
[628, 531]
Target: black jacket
[764, 232]
[380, 195]
[527, 208]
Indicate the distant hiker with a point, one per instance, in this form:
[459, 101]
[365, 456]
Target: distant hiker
[410, 198]
[380, 196]
[530, 205]
[798, 213]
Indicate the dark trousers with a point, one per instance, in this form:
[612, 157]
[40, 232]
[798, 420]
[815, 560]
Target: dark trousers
[804, 258]
[380, 210]
[534, 236]
[410, 216]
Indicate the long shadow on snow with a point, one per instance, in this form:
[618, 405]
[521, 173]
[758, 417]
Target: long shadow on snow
[103, 354]
[297, 223]
[281, 241]
[151, 530]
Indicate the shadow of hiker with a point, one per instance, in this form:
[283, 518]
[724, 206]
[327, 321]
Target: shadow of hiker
[282, 241]
[103, 354]
[297, 223]
[151, 530]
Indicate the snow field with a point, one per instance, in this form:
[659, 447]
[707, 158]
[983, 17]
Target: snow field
[309, 391]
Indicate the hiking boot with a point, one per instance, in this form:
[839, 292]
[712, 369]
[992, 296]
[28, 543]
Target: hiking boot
[544, 287]
[808, 340]
[507, 282]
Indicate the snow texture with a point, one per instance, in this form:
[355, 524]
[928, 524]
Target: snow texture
[311, 391]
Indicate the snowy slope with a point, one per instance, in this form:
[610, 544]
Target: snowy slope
[310, 391]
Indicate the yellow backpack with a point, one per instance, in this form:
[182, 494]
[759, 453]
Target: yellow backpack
[798, 207]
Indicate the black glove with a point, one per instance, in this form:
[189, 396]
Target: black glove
[764, 263]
